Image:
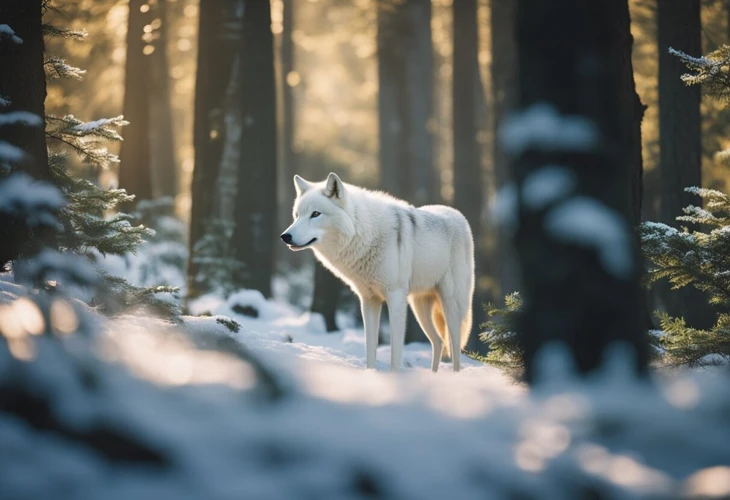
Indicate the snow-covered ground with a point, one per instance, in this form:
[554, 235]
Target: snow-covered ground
[273, 407]
[332, 365]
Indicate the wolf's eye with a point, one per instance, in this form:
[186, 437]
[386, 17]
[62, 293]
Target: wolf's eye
[315, 214]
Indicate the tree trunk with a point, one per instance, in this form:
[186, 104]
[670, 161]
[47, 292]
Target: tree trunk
[577, 289]
[327, 291]
[287, 127]
[632, 113]
[135, 168]
[468, 186]
[164, 163]
[23, 83]
[419, 102]
[680, 141]
[255, 208]
[217, 47]
[391, 113]
[504, 98]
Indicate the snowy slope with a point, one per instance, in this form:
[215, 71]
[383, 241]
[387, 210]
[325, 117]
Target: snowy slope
[206, 427]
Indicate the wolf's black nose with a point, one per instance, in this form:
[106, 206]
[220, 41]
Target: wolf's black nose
[286, 237]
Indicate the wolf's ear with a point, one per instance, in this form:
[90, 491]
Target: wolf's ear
[301, 185]
[334, 188]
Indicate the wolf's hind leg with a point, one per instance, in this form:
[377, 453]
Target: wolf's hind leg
[453, 314]
[422, 305]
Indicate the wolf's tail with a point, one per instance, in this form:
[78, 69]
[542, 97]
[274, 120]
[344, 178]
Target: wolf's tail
[439, 321]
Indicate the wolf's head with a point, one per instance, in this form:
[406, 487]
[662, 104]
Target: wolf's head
[321, 215]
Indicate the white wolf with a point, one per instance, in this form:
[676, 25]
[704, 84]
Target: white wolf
[389, 251]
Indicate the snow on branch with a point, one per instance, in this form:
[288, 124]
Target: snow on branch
[85, 137]
[35, 202]
[57, 68]
[7, 33]
[711, 71]
[542, 127]
[20, 118]
[10, 153]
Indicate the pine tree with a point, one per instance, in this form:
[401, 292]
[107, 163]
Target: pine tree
[698, 258]
[505, 348]
[86, 229]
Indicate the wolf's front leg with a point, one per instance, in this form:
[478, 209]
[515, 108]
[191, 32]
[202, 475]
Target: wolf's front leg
[371, 318]
[397, 310]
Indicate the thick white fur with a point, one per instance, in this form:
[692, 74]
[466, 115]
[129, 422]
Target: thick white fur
[387, 250]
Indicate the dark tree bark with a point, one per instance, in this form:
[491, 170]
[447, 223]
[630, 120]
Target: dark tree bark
[287, 127]
[468, 186]
[216, 54]
[255, 205]
[135, 167]
[405, 107]
[680, 141]
[632, 111]
[23, 83]
[164, 163]
[326, 297]
[504, 98]
[579, 290]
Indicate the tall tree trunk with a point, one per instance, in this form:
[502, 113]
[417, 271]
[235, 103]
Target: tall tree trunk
[23, 83]
[578, 289]
[289, 81]
[504, 98]
[419, 101]
[255, 208]
[679, 27]
[217, 48]
[405, 101]
[468, 185]
[391, 83]
[405, 106]
[135, 168]
[164, 163]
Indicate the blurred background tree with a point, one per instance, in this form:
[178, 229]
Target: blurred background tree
[335, 77]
